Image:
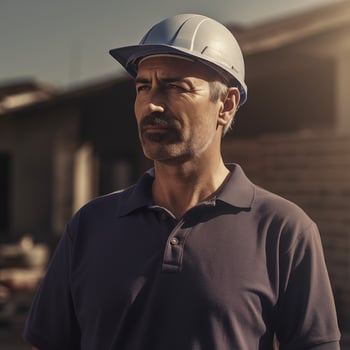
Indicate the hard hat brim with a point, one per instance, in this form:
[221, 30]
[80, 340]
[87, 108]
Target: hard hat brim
[129, 56]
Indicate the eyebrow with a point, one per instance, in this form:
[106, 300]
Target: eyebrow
[142, 80]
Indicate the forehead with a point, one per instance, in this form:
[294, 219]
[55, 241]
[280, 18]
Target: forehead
[166, 66]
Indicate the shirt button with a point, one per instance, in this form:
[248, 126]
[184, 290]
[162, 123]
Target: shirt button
[174, 241]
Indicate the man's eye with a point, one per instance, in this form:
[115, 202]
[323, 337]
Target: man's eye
[142, 88]
[175, 87]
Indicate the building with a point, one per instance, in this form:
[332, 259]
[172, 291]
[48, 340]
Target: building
[60, 149]
[293, 136]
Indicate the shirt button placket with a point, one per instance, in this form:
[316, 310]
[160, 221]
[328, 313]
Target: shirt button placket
[173, 254]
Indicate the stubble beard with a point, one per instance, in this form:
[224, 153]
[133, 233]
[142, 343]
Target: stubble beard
[170, 144]
[165, 152]
[161, 137]
[176, 152]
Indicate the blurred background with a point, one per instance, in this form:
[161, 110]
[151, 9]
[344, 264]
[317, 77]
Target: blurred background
[67, 130]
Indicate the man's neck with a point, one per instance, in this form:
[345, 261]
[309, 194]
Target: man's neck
[178, 188]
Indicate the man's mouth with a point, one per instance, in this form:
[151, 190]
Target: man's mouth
[160, 128]
[155, 128]
[159, 134]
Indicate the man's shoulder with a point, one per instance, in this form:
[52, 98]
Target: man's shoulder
[113, 200]
[273, 200]
[278, 209]
[263, 203]
[122, 202]
[102, 211]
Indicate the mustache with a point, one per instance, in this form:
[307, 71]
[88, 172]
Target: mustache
[161, 120]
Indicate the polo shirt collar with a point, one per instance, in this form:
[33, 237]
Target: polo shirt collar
[238, 191]
[139, 195]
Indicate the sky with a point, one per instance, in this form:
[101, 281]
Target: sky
[65, 43]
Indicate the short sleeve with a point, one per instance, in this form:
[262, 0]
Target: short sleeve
[306, 316]
[51, 323]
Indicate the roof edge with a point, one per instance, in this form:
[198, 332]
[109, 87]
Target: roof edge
[286, 30]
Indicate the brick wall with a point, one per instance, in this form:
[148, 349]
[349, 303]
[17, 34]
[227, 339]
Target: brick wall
[313, 170]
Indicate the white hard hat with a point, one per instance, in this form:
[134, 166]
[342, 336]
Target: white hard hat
[194, 36]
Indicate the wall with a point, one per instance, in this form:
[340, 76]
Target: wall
[288, 91]
[31, 141]
[313, 170]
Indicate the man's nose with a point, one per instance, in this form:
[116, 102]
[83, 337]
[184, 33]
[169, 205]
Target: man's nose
[156, 103]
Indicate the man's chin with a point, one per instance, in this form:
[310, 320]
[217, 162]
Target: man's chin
[166, 155]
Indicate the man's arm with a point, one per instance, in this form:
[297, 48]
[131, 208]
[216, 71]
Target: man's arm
[54, 297]
[306, 315]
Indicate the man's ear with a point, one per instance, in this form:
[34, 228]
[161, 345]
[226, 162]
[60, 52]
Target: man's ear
[229, 105]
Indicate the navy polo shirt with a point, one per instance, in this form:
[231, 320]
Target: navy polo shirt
[233, 272]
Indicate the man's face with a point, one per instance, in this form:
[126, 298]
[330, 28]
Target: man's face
[175, 117]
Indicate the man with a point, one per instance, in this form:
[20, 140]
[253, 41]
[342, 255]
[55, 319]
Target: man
[194, 256]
